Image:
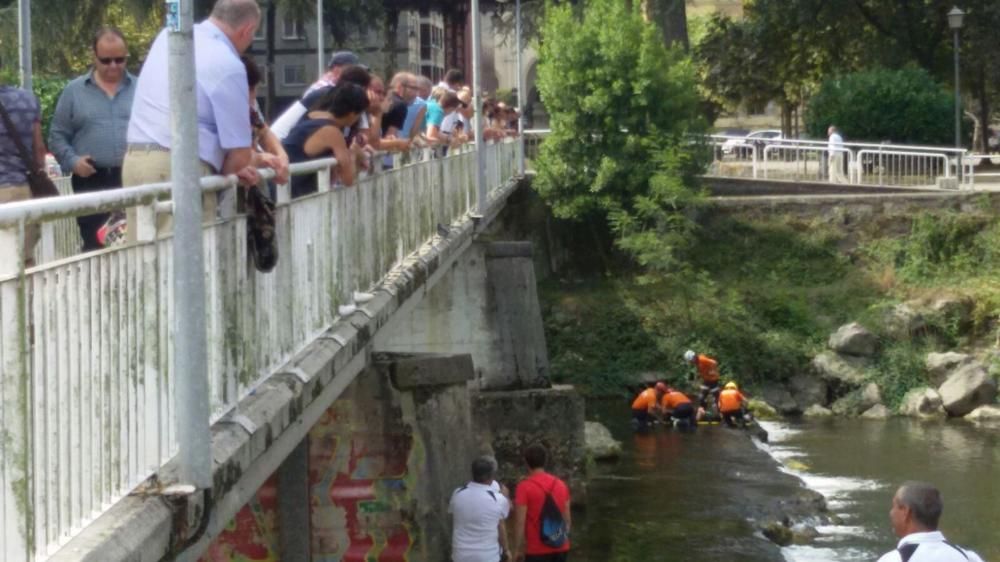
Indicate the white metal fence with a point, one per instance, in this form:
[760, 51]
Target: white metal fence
[850, 163]
[86, 394]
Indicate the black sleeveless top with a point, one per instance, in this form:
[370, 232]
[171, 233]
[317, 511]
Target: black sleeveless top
[295, 146]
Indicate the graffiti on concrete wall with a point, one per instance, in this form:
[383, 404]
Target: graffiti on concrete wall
[252, 536]
[361, 488]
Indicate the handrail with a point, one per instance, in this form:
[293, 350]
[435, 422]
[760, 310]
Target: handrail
[39, 210]
[848, 144]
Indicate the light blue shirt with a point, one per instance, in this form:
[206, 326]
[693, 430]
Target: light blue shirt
[222, 91]
[412, 111]
[434, 116]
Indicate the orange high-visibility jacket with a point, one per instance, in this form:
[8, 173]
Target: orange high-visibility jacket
[645, 401]
[673, 399]
[707, 367]
[730, 401]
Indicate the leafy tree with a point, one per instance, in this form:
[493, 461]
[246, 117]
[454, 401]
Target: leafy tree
[904, 106]
[621, 106]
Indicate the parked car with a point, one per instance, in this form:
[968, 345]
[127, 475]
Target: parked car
[742, 146]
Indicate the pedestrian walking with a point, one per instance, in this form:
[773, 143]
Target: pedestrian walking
[835, 146]
[22, 152]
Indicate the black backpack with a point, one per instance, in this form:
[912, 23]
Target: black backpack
[551, 523]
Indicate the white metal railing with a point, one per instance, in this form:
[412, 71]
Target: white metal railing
[867, 163]
[533, 141]
[86, 394]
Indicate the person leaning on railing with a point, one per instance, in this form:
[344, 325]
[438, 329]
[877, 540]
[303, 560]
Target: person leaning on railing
[320, 134]
[224, 132]
[24, 113]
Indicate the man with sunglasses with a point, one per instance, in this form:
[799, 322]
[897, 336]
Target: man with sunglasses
[88, 129]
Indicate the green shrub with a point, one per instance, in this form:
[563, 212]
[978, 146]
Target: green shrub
[898, 369]
[902, 106]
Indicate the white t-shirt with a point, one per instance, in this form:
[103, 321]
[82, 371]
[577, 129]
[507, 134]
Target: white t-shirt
[476, 511]
[836, 143]
[932, 548]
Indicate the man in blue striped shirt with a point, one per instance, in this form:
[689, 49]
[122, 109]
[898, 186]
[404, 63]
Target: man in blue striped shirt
[88, 129]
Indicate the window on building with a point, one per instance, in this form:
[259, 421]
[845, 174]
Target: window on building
[295, 75]
[292, 29]
[259, 35]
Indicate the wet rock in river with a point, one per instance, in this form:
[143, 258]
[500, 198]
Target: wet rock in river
[807, 390]
[817, 411]
[858, 401]
[985, 413]
[778, 398]
[778, 533]
[876, 412]
[599, 443]
[922, 402]
[966, 389]
[841, 373]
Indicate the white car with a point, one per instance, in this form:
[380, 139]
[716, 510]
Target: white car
[756, 138]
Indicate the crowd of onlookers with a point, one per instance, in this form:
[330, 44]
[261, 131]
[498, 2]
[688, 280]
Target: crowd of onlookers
[111, 128]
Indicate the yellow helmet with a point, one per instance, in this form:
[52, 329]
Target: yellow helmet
[731, 386]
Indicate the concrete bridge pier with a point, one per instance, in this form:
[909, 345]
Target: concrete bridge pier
[487, 306]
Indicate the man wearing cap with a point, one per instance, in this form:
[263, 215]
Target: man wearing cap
[338, 62]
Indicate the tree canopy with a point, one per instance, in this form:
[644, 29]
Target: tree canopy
[621, 106]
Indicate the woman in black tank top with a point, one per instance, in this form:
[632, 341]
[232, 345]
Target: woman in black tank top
[320, 134]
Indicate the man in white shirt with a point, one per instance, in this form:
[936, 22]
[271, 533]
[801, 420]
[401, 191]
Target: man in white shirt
[916, 510]
[836, 162]
[478, 511]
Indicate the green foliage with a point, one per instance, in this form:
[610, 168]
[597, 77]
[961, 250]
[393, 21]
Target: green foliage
[898, 369]
[941, 245]
[621, 106]
[903, 106]
[784, 287]
[46, 89]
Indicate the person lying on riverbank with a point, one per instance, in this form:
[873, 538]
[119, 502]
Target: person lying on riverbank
[915, 513]
[732, 405]
[678, 406]
[646, 406]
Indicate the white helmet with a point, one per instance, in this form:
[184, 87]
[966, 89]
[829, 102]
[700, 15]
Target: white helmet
[689, 356]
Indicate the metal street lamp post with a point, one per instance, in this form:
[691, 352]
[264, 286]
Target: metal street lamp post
[955, 17]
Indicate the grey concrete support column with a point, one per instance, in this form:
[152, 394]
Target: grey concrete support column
[434, 397]
[293, 505]
[510, 272]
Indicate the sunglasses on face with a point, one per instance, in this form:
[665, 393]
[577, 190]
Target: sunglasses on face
[106, 61]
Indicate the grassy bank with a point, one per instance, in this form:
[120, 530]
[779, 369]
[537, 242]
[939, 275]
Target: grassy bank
[763, 295]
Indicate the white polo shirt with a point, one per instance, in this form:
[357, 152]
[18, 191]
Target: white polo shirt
[476, 511]
[931, 548]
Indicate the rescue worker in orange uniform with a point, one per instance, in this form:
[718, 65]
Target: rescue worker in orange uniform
[645, 405]
[677, 405]
[732, 405]
[708, 370]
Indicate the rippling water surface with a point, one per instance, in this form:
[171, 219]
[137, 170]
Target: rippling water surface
[677, 496]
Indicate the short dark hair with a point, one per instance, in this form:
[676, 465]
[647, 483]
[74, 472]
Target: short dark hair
[923, 500]
[483, 469]
[355, 74]
[536, 456]
[343, 99]
[454, 76]
[253, 71]
[103, 32]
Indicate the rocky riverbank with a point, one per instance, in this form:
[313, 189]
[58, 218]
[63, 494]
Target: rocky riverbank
[841, 380]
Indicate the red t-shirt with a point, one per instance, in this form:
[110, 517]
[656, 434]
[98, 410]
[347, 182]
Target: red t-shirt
[531, 493]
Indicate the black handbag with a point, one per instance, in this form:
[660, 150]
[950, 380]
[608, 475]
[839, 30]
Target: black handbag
[38, 180]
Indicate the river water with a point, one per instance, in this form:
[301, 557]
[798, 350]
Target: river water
[692, 496]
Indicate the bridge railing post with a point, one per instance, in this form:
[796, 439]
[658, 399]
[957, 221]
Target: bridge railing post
[16, 477]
